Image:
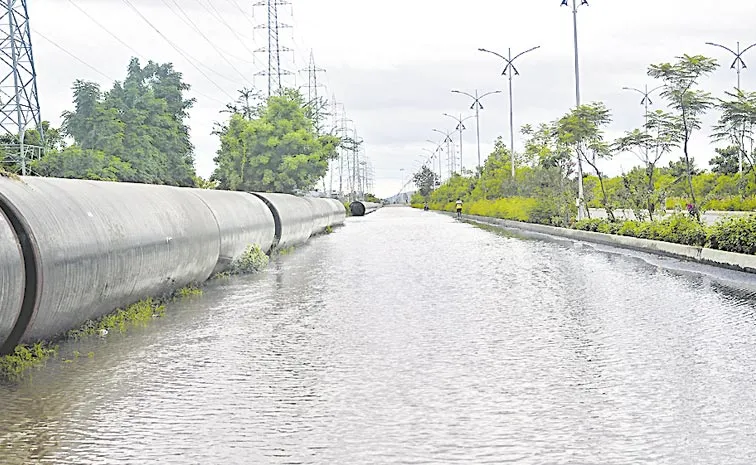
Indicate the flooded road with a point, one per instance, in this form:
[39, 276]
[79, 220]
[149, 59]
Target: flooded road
[408, 337]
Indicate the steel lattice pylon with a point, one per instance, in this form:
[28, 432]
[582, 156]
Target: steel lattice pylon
[19, 101]
[274, 48]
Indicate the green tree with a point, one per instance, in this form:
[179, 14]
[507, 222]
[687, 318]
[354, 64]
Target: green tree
[726, 160]
[657, 139]
[680, 80]
[425, 180]
[582, 130]
[279, 151]
[77, 163]
[736, 124]
[140, 121]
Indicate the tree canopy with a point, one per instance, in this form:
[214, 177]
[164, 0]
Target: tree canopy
[273, 149]
[138, 127]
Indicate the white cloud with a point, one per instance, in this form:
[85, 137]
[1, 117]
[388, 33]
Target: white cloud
[393, 63]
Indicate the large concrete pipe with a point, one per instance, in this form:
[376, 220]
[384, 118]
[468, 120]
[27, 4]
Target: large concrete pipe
[11, 278]
[243, 220]
[293, 217]
[102, 245]
[338, 212]
[361, 208]
[322, 214]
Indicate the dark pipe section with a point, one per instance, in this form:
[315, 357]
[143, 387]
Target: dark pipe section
[361, 208]
[30, 254]
[357, 208]
[276, 219]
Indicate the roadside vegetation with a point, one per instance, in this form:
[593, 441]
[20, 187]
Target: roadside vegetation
[137, 131]
[666, 191]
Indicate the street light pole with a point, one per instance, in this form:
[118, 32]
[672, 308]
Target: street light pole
[460, 127]
[581, 204]
[449, 159]
[646, 101]
[438, 148]
[738, 64]
[477, 106]
[512, 71]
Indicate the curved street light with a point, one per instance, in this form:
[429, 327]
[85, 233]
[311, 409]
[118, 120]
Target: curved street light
[512, 71]
[645, 101]
[449, 160]
[477, 106]
[436, 150]
[738, 64]
[460, 127]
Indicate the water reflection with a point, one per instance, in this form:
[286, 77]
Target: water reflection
[407, 337]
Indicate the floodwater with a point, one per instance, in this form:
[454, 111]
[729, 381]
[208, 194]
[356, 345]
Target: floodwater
[409, 338]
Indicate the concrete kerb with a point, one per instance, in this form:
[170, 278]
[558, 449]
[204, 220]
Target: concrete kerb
[720, 258]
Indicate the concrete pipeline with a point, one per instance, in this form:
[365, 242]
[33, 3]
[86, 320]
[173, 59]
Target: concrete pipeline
[75, 250]
[360, 208]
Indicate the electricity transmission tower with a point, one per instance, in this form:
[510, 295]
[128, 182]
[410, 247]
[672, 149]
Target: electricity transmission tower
[274, 47]
[19, 101]
[313, 99]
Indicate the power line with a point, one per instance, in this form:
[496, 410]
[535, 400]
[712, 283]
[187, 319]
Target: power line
[243, 12]
[194, 26]
[73, 56]
[175, 47]
[136, 52]
[72, 2]
[219, 17]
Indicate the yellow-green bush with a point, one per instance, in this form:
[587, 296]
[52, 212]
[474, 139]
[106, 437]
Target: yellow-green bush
[734, 234]
[511, 208]
[729, 203]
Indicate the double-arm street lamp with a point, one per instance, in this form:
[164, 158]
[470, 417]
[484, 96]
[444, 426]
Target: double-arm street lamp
[449, 159]
[435, 152]
[575, 5]
[645, 101]
[738, 64]
[460, 127]
[477, 106]
[512, 71]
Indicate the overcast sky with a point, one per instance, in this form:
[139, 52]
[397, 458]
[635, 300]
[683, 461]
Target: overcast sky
[393, 63]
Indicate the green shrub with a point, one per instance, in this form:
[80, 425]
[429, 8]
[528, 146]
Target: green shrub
[734, 234]
[12, 366]
[510, 208]
[590, 224]
[678, 229]
[253, 260]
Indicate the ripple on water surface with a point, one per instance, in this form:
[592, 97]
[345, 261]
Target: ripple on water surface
[407, 337]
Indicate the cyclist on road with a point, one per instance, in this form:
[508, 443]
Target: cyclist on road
[459, 208]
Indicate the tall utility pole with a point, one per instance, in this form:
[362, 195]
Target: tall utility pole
[477, 106]
[355, 164]
[19, 99]
[313, 99]
[738, 64]
[581, 197]
[274, 47]
[460, 127]
[645, 101]
[511, 70]
[344, 121]
[437, 150]
[449, 156]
